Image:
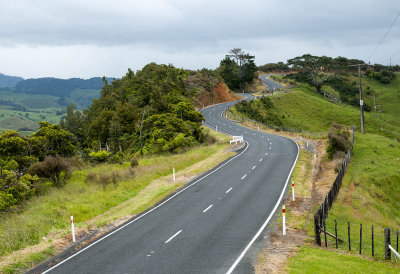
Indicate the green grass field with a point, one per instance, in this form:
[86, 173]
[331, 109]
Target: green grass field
[317, 260]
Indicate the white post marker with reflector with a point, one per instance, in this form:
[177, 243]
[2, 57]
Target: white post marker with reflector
[283, 220]
[173, 173]
[73, 229]
[216, 128]
[293, 190]
[258, 127]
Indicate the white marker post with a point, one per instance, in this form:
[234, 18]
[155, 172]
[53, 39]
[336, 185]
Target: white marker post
[293, 190]
[173, 174]
[216, 128]
[73, 229]
[307, 143]
[283, 220]
[258, 127]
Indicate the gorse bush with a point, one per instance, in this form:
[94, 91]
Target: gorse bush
[13, 190]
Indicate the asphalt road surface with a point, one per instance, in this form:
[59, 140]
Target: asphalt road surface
[271, 85]
[208, 226]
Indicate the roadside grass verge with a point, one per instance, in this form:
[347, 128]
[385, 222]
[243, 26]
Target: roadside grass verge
[369, 195]
[95, 205]
[318, 260]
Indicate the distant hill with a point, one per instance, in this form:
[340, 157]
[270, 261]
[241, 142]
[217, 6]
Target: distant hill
[9, 81]
[57, 87]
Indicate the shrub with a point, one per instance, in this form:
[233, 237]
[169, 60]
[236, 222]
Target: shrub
[54, 168]
[134, 162]
[14, 190]
[99, 156]
[338, 140]
[117, 158]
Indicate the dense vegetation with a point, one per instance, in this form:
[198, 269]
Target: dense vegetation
[151, 111]
[237, 69]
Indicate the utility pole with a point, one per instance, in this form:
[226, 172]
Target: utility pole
[361, 100]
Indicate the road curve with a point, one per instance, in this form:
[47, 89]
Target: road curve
[271, 85]
[209, 225]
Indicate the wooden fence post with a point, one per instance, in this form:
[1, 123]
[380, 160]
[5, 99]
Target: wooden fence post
[348, 233]
[372, 235]
[336, 235]
[317, 229]
[360, 237]
[326, 242]
[388, 252]
[397, 241]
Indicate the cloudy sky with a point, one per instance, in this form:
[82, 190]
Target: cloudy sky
[86, 38]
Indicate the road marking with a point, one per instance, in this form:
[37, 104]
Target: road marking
[266, 154]
[270, 143]
[245, 132]
[205, 210]
[243, 177]
[232, 268]
[253, 167]
[254, 134]
[151, 210]
[261, 160]
[173, 236]
[270, 147]
[228, 190]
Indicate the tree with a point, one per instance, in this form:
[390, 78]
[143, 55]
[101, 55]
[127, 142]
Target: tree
[54, 141]
[237, 68]
[313, 69]
[74, 122]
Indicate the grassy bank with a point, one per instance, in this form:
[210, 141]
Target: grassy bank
[94, 205]
[317, 260]
[369, 194]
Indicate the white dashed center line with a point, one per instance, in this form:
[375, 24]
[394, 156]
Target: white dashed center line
[261, 160]
[243, 177]
[205, 210]
[173, 236]
[253, 167]
[228, 190]
[266, 154]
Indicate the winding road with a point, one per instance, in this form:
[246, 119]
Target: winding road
[271, 85]
[208, 226]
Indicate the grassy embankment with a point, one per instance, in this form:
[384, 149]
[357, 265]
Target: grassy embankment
[94, 206]
[371, 187]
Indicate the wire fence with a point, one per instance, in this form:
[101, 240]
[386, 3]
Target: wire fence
[322, 213]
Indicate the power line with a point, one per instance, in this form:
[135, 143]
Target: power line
[384, 36]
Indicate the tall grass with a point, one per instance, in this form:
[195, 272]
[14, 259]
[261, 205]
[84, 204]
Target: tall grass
[49, 213]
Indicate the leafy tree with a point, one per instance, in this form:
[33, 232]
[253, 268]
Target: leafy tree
[237, 68]
[74, 122]
[54, 141]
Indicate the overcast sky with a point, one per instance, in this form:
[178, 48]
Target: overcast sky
[86, 38]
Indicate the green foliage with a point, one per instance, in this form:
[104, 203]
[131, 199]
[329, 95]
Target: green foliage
[54, 168]
[338, 140]
[99, 156]
[52, 140]
[383, 76]
[134, 162]
[237, 69]
[117, 158]
[13, 190]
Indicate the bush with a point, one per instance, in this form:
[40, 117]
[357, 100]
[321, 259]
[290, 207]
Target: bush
[134, 162]
[14, 190]
[54, 168]
[338, 140]
[117, 158]
[99, 156]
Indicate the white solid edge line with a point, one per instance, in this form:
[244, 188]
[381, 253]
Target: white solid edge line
[205, 210]
[232, 268]
[173, 236]
[144, 214]
[228, 190]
